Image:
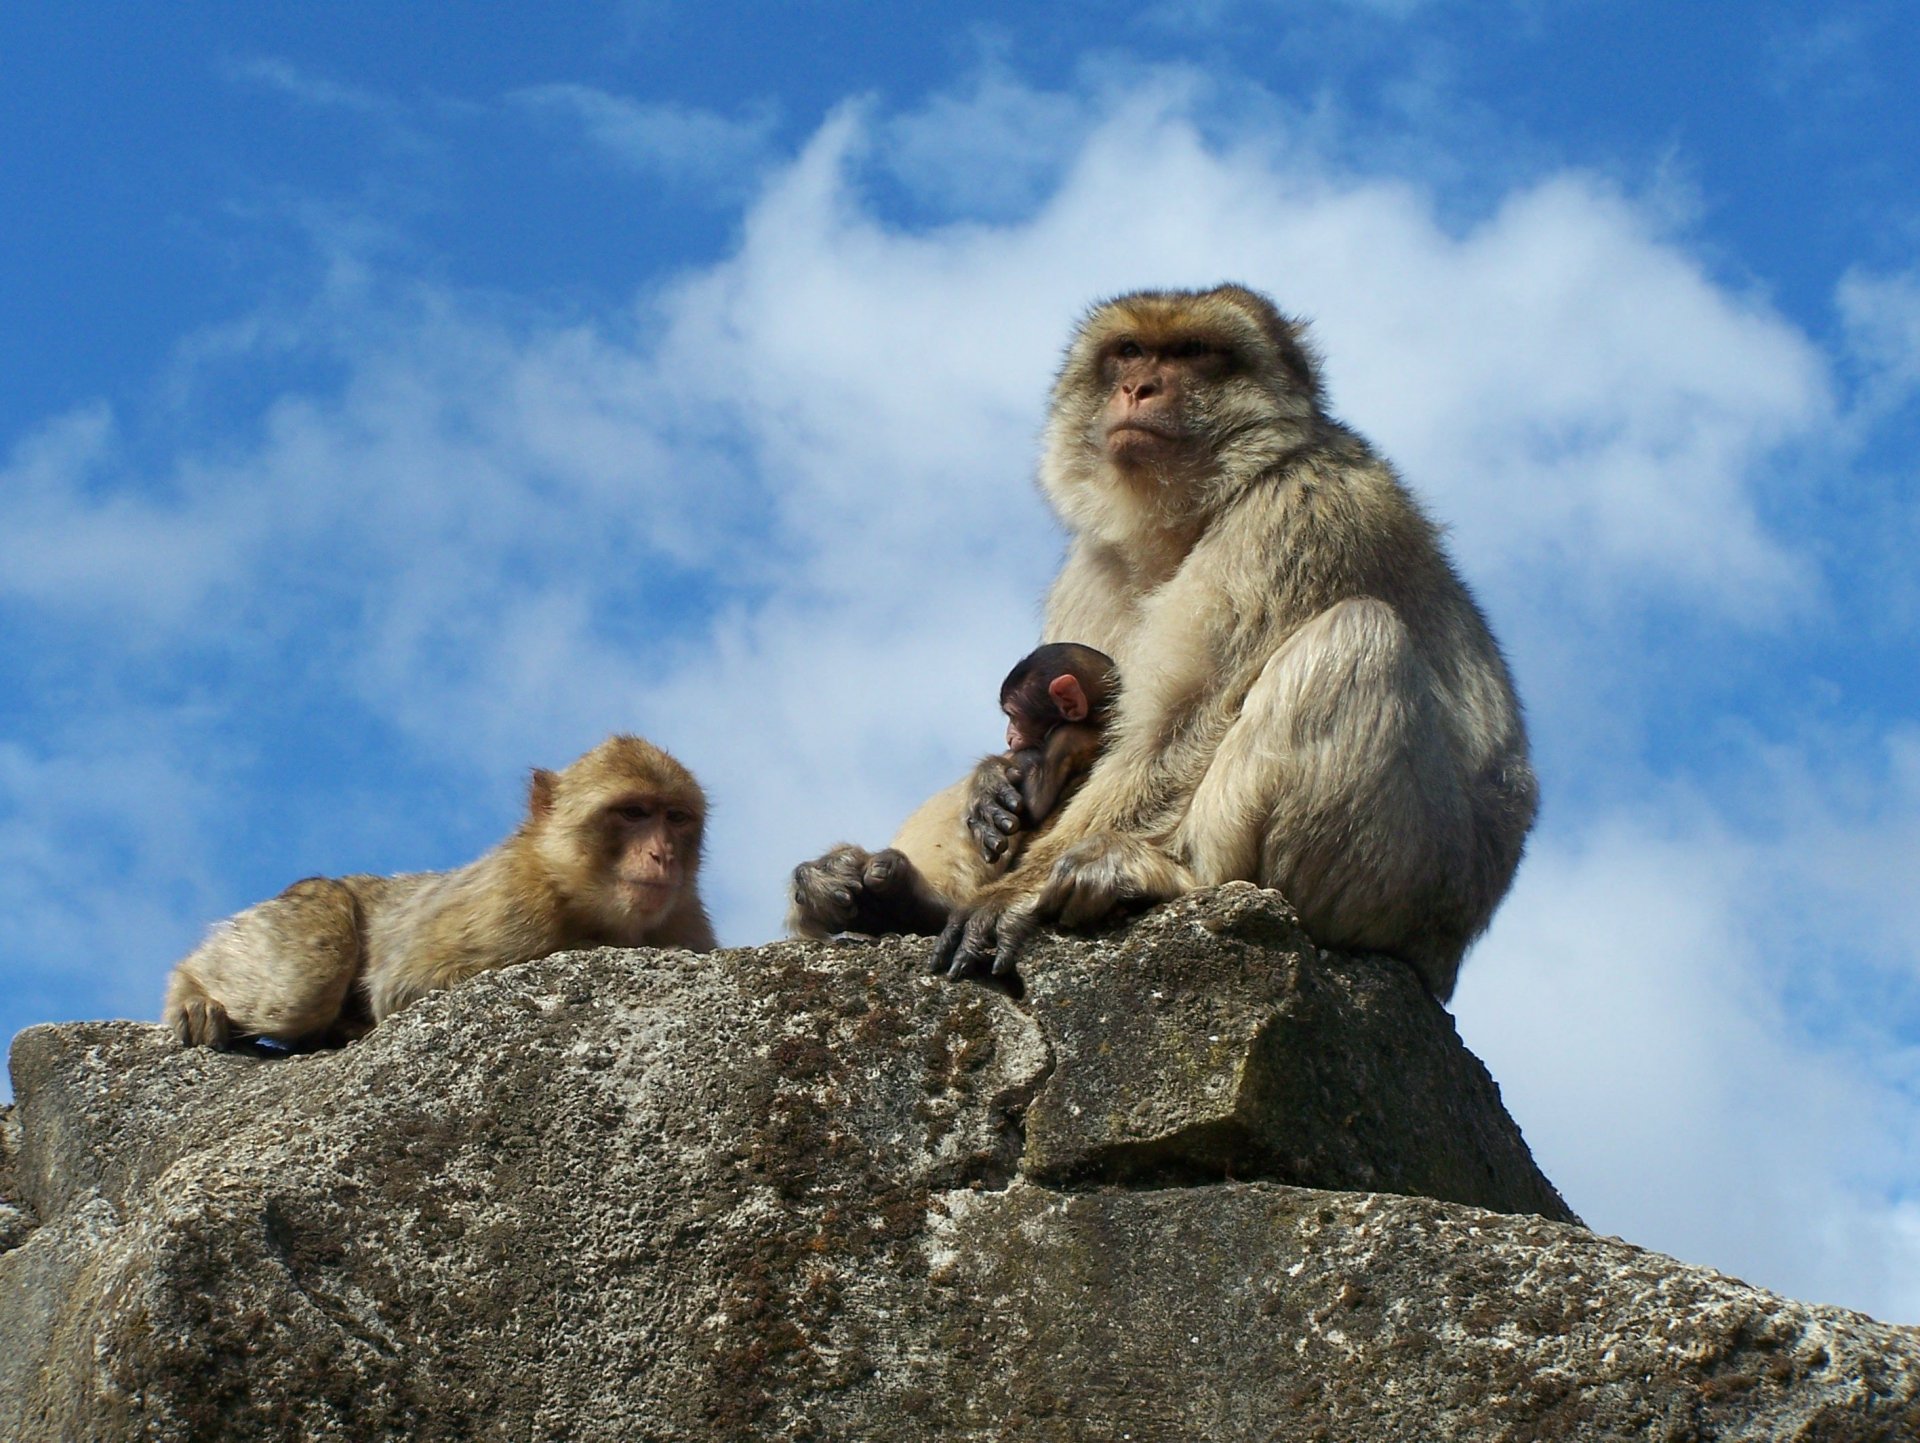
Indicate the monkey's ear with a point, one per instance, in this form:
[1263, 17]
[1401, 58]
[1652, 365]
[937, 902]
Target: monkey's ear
[1069, 697]
[540, 792]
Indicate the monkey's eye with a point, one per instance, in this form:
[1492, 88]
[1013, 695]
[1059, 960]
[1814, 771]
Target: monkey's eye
[1189, 350]
[1129, 351]
[633, 811]
[679, 817]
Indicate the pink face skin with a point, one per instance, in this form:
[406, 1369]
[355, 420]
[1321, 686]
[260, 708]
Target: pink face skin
[1145, 417]
[1070, 704]
[652, 839]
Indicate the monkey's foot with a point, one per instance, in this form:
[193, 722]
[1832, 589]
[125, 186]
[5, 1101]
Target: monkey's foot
[852, 890]
[202, 1022]
[986, 939]
[825, 894]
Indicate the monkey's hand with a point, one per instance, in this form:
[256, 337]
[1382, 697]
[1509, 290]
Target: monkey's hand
[1098, 877]
[993, 804]
[1107, 873]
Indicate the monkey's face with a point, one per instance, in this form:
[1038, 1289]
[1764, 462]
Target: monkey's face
[651, 844]
[1026, 727]
[1158, 387]
[1167, 403]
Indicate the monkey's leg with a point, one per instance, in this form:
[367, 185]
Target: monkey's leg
[1337, 786]
[894, 888]
[280, 969]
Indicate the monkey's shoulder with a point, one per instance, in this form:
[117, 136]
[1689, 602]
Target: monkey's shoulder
[1334, 497]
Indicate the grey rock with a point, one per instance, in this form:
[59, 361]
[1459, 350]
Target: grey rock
[15, 1221]
[1215, 1040]
[805, 1191]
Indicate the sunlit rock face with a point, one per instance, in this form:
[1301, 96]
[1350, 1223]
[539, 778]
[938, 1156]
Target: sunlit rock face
[1203, 1180]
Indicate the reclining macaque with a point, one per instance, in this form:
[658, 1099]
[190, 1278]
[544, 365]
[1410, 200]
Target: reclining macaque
[609, 855]
[1057, 700]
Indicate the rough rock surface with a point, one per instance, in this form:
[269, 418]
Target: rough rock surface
[1205, 1181]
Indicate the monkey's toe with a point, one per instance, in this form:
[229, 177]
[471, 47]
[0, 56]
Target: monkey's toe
[886, 872]
[967, 944]
[203, 1023]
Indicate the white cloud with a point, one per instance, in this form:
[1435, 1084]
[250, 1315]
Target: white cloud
[1572, 390]
[78, 538]
[991, 149]
[104, 857]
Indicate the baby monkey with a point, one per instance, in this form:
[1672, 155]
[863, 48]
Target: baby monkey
[1057, 700]
[608, 855]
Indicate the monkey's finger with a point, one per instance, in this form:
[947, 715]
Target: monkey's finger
[1083, 886]
[1015, 930]
[1001, 814]
[990, 842]
[1078, 899]
[947, 944]
[976, 945]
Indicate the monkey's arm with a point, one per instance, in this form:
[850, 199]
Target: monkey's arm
[1101, 851]
[1075, 873]
[1050, 774]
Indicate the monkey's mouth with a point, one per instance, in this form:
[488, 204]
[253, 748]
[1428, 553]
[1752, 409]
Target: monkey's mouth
[647, 896]
[1124, 433]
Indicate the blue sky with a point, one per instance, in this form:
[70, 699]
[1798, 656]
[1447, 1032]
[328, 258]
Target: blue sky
[395, 398]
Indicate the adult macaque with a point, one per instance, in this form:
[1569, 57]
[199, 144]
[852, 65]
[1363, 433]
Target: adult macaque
[1313, 701]
[1056, 700]
[609, 855]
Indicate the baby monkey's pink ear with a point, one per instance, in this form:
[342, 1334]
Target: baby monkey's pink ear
[1068, 696]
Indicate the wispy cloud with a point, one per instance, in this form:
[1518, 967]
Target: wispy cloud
[666, 139]
[1881, 316]
[306, 88]
[1643, 1000]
